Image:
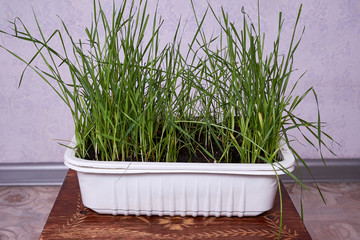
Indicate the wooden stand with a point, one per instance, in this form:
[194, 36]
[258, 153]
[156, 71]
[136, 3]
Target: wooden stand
[69, 219]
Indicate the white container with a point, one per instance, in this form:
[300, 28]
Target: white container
[196, 189]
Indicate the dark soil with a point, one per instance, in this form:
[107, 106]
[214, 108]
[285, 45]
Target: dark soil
[199, 156]
[186, 155]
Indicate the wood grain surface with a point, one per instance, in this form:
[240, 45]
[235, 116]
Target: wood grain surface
[69, 219]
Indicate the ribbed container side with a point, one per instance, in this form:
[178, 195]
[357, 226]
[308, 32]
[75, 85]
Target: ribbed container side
[194, 189]
[178, 194]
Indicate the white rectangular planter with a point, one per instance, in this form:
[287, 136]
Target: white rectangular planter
[196, 189]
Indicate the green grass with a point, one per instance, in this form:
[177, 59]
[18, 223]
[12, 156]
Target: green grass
[131, 99]
[246, 100]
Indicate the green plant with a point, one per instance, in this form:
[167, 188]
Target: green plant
[245, 101]
[133, 100]
[122, 87]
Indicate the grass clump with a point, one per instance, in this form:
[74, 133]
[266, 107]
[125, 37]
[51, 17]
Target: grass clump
[133, 99]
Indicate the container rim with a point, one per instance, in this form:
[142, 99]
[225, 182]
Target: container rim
[126, 167]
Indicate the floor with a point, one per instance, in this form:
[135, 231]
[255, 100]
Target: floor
[339, 218]
[24, 210]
